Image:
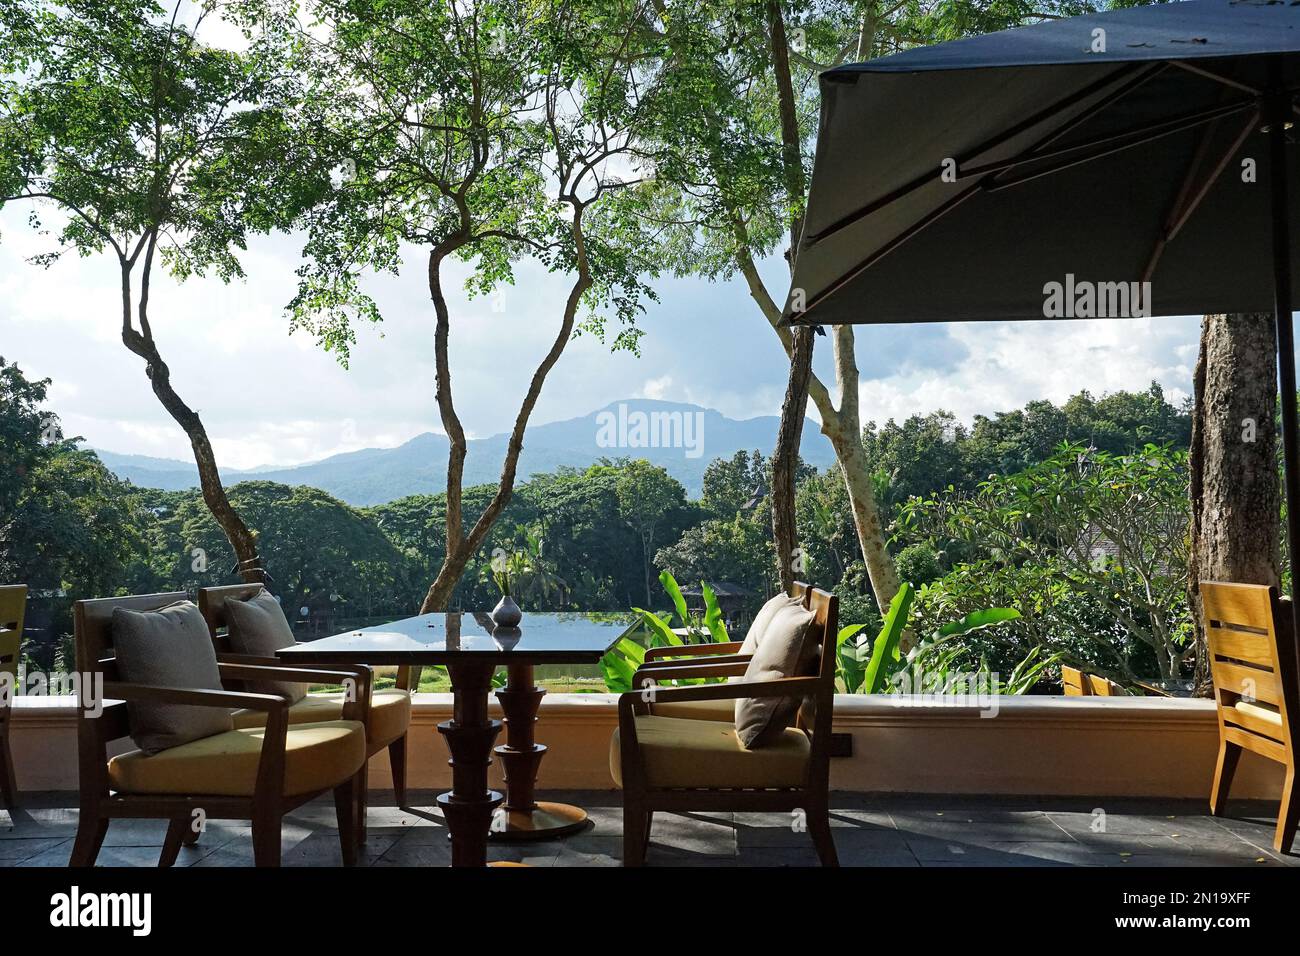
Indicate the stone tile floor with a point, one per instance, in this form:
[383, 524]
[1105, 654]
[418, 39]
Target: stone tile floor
[870, 830]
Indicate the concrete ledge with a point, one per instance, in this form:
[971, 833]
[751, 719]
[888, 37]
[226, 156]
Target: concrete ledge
[1085, 746]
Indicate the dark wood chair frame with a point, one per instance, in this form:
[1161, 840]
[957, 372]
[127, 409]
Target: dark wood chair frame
[267, 806]
[13, 602]
[640, 801]
[212, 604]
[1251, 638]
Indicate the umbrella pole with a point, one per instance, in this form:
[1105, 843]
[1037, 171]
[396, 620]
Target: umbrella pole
[1285, 340]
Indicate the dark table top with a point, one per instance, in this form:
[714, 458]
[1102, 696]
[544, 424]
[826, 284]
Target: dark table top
[455, 637]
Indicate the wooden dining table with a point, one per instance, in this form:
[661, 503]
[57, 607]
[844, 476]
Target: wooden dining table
[472, 647]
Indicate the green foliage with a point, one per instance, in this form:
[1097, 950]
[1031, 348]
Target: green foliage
[885, 650]
[926, 454]
[147, 139]
[1089, 547]
[313, 546]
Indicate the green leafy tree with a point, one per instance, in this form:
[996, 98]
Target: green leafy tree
[484, 132]
[311, 543]
[738, 551]
[734, 484]
[1089, 547]
[154, 148]
[647, 495]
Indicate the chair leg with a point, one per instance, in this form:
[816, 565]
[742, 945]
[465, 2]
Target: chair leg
[1288, 814]
[91, 831]
[1224, 770]
[8, 786]
[345, 808]
[362, 803]
[819, 828]
[645, 842]
[171, 847]
[634, 833]
[266, 838]
[397, 760]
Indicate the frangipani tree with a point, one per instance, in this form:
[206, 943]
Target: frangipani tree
[155, 149]
[485, 132]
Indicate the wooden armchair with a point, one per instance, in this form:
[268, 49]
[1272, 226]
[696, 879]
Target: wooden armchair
[388, 711]
[1253, 663]
[257, 775]
[678, 763]
[13, 604]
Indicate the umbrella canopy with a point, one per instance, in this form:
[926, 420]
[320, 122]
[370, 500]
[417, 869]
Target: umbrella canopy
[1054, 171]
[960, 181]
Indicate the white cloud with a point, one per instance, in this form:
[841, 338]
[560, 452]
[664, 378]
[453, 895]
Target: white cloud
[268, 398]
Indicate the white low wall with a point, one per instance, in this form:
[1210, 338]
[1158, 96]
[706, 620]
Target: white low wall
[1034, 745]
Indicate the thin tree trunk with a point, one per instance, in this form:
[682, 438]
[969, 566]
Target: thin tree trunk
[461, 547]
[242, 541]
[1234, 491]
[785, 458]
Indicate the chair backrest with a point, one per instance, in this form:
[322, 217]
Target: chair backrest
[212, 605]
[1079, 684]
[92, 623]
[13, 607]
[1253, 665]
[815, 714]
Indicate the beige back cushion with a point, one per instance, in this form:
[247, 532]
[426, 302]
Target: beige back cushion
[782, 652]
[760, 623]
[259, 628]
[170, 647]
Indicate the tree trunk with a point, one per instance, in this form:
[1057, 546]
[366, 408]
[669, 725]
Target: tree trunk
[1234, 488]
[242, 541]
[460, 546]
[785, 459]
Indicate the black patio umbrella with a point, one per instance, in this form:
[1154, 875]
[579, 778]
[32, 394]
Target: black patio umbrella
[1130, 162]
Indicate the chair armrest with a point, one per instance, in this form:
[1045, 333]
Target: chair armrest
[685, 670]
[198, 697]
[780, 687]
[357, 708]
[248, 659]
[693, 650]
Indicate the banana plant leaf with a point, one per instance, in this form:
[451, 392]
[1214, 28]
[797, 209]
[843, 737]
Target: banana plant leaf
[620, 663]
[661, 635]
[851, 659]
[886, 646]
[713, 615]
[670, 585]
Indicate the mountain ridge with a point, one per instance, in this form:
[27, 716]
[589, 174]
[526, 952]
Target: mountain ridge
[656, 430]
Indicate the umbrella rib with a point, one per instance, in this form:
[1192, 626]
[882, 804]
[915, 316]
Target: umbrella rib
[1099, 149]
[1218, 78]
[1178, 216]
[906, 189]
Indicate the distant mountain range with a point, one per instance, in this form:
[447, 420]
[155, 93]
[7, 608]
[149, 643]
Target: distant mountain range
[681, 438]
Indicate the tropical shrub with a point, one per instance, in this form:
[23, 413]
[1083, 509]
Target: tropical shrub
[1088, 546]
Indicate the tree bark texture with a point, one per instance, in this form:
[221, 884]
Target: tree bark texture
[1234, 488]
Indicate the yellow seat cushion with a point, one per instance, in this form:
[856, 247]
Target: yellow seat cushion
[390, 714]
[317, 756]
[1261, 711]
[722, 710]
[680, 752]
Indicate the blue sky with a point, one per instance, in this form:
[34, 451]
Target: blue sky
[271, 398]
